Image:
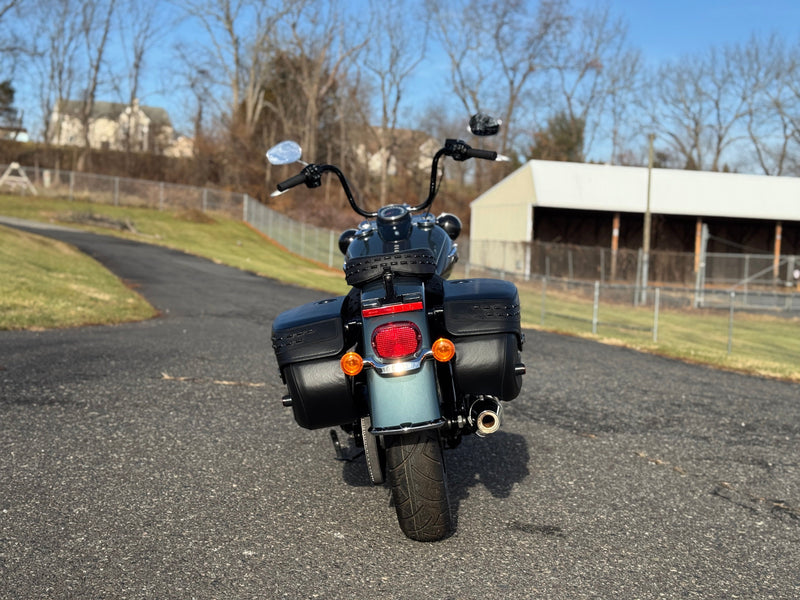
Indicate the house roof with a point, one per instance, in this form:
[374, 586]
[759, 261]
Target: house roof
[624, 189]
[112, 110]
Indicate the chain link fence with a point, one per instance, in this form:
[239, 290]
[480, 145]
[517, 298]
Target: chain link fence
[745, 281]
[315, 243]
[759, 281]
[123, 191]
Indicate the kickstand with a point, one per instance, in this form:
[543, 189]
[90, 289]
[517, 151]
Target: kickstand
[341, 454]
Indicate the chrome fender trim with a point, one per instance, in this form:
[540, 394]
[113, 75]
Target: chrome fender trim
[398, 368]
[407, 428]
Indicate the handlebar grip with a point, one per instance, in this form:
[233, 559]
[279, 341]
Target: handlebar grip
[478, 153]
[292, 182]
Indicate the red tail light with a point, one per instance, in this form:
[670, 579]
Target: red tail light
[396, 340]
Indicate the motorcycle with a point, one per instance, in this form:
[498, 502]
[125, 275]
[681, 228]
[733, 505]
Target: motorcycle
[408, 362]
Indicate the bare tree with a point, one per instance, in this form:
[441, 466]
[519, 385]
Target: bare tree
[769, 71]
[141, 24]
[679, 112]
[241, 35]
[55, 60]
[326, 45]
[726, 93]
[595, 73]
[623, 122]
[10, 42]
[706, 106]
[95, 27]
[496, 52]
[396, 48]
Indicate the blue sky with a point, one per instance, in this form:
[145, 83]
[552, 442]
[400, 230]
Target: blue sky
[668, 29]
[661, 29]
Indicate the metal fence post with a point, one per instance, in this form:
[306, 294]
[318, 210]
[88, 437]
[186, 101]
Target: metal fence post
[570, 267]
[746, 276]
[638, 278]
[595, 306]
[730, 324]
[602, 264]
[656, 306]
[544, 298]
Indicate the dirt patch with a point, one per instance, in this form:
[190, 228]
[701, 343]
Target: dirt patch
[88, 218]
[192, 215]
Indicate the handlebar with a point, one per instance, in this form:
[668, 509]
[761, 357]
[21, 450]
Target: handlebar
[459, 151]
[292, 181]
[485, 154]
[456, 149]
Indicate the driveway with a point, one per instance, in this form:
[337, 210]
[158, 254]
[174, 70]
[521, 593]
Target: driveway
[154, 460]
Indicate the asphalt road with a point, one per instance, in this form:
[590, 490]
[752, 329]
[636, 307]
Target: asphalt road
[615, 474]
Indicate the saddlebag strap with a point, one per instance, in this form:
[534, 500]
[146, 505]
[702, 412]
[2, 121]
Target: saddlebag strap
[360, 270]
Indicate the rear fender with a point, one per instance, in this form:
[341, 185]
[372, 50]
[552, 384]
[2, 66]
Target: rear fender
[401, 402]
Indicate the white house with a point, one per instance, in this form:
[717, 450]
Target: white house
[113, 126]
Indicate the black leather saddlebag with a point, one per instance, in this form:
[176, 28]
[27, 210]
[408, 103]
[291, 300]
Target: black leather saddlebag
[482, 317]
[308, 342]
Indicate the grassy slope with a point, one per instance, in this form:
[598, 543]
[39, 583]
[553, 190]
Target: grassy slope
[220, 239]
[45, 283]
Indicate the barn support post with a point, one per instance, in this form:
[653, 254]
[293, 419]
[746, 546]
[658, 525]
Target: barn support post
[638, 284]
[776, 260]
[698, 239]
[700, 280]
[614, 246]
[527, 249]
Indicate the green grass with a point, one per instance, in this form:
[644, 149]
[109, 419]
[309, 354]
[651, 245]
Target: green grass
[219, 238]
[762, 344]
[45, 283]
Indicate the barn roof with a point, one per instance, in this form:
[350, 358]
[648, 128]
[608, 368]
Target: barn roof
[624, 189]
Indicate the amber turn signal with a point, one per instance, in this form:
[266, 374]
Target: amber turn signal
[443, 350]
[351, 363]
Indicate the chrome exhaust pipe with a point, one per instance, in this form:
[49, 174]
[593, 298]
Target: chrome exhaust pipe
[484, 415]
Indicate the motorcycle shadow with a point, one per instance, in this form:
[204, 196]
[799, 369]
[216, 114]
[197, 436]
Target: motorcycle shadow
[497, 462]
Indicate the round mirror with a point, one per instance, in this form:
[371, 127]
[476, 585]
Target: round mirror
[284, 153]
[483, 124]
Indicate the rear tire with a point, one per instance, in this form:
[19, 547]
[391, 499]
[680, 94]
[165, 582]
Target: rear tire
[416, 474]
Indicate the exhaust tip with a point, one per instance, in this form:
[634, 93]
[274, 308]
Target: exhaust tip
[487, 422]
[484, 415]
